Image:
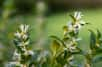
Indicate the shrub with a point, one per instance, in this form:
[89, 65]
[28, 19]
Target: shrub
[62, 51]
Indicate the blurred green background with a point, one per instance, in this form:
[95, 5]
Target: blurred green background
[45, 17]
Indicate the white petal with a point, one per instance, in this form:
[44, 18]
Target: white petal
[26, 28]
[17, 34]
[30, 52]
[22, 27]
[25, 36]
[26, 43]
[78, 15]
[75, 14]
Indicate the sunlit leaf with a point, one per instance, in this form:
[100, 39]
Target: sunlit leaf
[55, 47]
[58, 39]
[65, 29]
[63, 56]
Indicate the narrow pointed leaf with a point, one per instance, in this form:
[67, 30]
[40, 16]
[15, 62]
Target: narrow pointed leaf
[92, 40]
[58, 39]
[98, 34]
[74, 19]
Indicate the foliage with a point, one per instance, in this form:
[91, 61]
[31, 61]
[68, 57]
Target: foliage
[62, 51]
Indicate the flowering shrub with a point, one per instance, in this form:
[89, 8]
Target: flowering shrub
[62, 51]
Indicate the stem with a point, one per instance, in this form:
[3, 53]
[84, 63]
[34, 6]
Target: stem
[88, 62]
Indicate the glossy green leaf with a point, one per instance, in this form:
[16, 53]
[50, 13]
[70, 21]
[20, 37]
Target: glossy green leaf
[58, 39]
[62, 57]
[55, 47]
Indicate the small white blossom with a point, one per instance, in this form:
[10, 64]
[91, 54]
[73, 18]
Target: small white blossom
[24, 28]
[27, 42]
[23, 49]
[71, 48]
[70, 26]
[16, 56]
[30, 52]
[25, 36]
[17, 34]
[77, 26]
[78, 15]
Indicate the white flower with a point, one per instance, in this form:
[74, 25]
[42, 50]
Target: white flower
[70, 26]
[23, 49]
[25, 36]
[17, 34]
[77, 27]
[78, 15]
[30, 52]
[16, 56]
[71, 46]
[24, 28]
[27, 42]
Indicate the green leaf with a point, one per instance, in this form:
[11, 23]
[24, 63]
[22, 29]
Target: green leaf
[55, 47]
[65, 28]
[92, 40]
[98, 41]
[74, 19]
[98, 51]
[58, 39]
[77, 51]
[62, 57]
[97, 59]
[98, 34]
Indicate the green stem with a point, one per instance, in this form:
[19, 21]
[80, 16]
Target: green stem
[88, 62]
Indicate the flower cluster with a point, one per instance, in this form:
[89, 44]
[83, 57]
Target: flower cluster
[72, 29]
[21, 42]
[75, 25]
[63, 50]
[71, 34]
